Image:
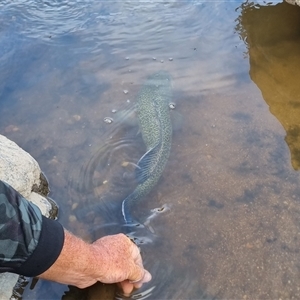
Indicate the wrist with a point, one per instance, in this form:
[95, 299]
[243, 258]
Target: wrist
[75, 265]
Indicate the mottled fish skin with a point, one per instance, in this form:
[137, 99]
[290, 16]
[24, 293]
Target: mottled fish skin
[155, 126]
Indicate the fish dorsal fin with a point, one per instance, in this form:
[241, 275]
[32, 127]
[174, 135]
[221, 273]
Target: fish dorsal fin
[144, 164]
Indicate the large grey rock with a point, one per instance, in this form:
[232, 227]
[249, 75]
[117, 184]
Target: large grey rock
[22, 172]
[7, 283]
[17, 167]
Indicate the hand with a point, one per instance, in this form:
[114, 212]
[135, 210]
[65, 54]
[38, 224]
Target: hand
[122, 262]
[111, 259]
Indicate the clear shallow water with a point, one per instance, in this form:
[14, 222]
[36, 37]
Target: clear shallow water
[231, 182]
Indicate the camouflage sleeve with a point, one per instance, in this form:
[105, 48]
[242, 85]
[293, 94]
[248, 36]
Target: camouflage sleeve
[29, 242]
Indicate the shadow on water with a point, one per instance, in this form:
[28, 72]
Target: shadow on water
[272, 36]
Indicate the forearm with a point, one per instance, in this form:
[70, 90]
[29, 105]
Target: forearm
[74, 265]
[33, 245]
[111, 259]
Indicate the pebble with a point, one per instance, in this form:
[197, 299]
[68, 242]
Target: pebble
[125, 92]
[11, 128]
[125, 164]
[54, 160]
[172, 105]
[108, 120]
[76, 117]
[74, 205]
[72, 218]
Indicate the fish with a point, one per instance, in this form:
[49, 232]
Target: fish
[153, 114]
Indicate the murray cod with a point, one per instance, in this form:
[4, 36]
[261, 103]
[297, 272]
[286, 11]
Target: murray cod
[152, 109]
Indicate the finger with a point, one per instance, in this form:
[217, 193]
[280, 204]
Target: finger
[147, 277]
[138, 275]
[143, 278]
[127, 287]
[136, 255]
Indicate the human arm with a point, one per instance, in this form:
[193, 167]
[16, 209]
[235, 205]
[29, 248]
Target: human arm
[33, 245]
[110, 259]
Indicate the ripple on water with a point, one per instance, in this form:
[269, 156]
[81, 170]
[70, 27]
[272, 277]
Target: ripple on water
[43, 18]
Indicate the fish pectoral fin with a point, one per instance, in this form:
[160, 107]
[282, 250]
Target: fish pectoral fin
[127, 117]
[142, 172]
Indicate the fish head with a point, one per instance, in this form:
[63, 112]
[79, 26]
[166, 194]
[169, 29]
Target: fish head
[159, 79]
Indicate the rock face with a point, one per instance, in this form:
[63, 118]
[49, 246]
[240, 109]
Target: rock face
[23, 173]
[294, 2]
[17, 167]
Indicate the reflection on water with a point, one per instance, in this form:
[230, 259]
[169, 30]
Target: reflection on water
[273, 40]
[232, 227]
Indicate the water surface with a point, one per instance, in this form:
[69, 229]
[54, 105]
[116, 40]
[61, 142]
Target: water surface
[232, 180]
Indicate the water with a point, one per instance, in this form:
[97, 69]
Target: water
[231, 185]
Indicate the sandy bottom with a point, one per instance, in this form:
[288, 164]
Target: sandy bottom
[232, 227]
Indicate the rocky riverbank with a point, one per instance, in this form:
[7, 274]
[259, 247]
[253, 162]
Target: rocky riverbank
[22, 172]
